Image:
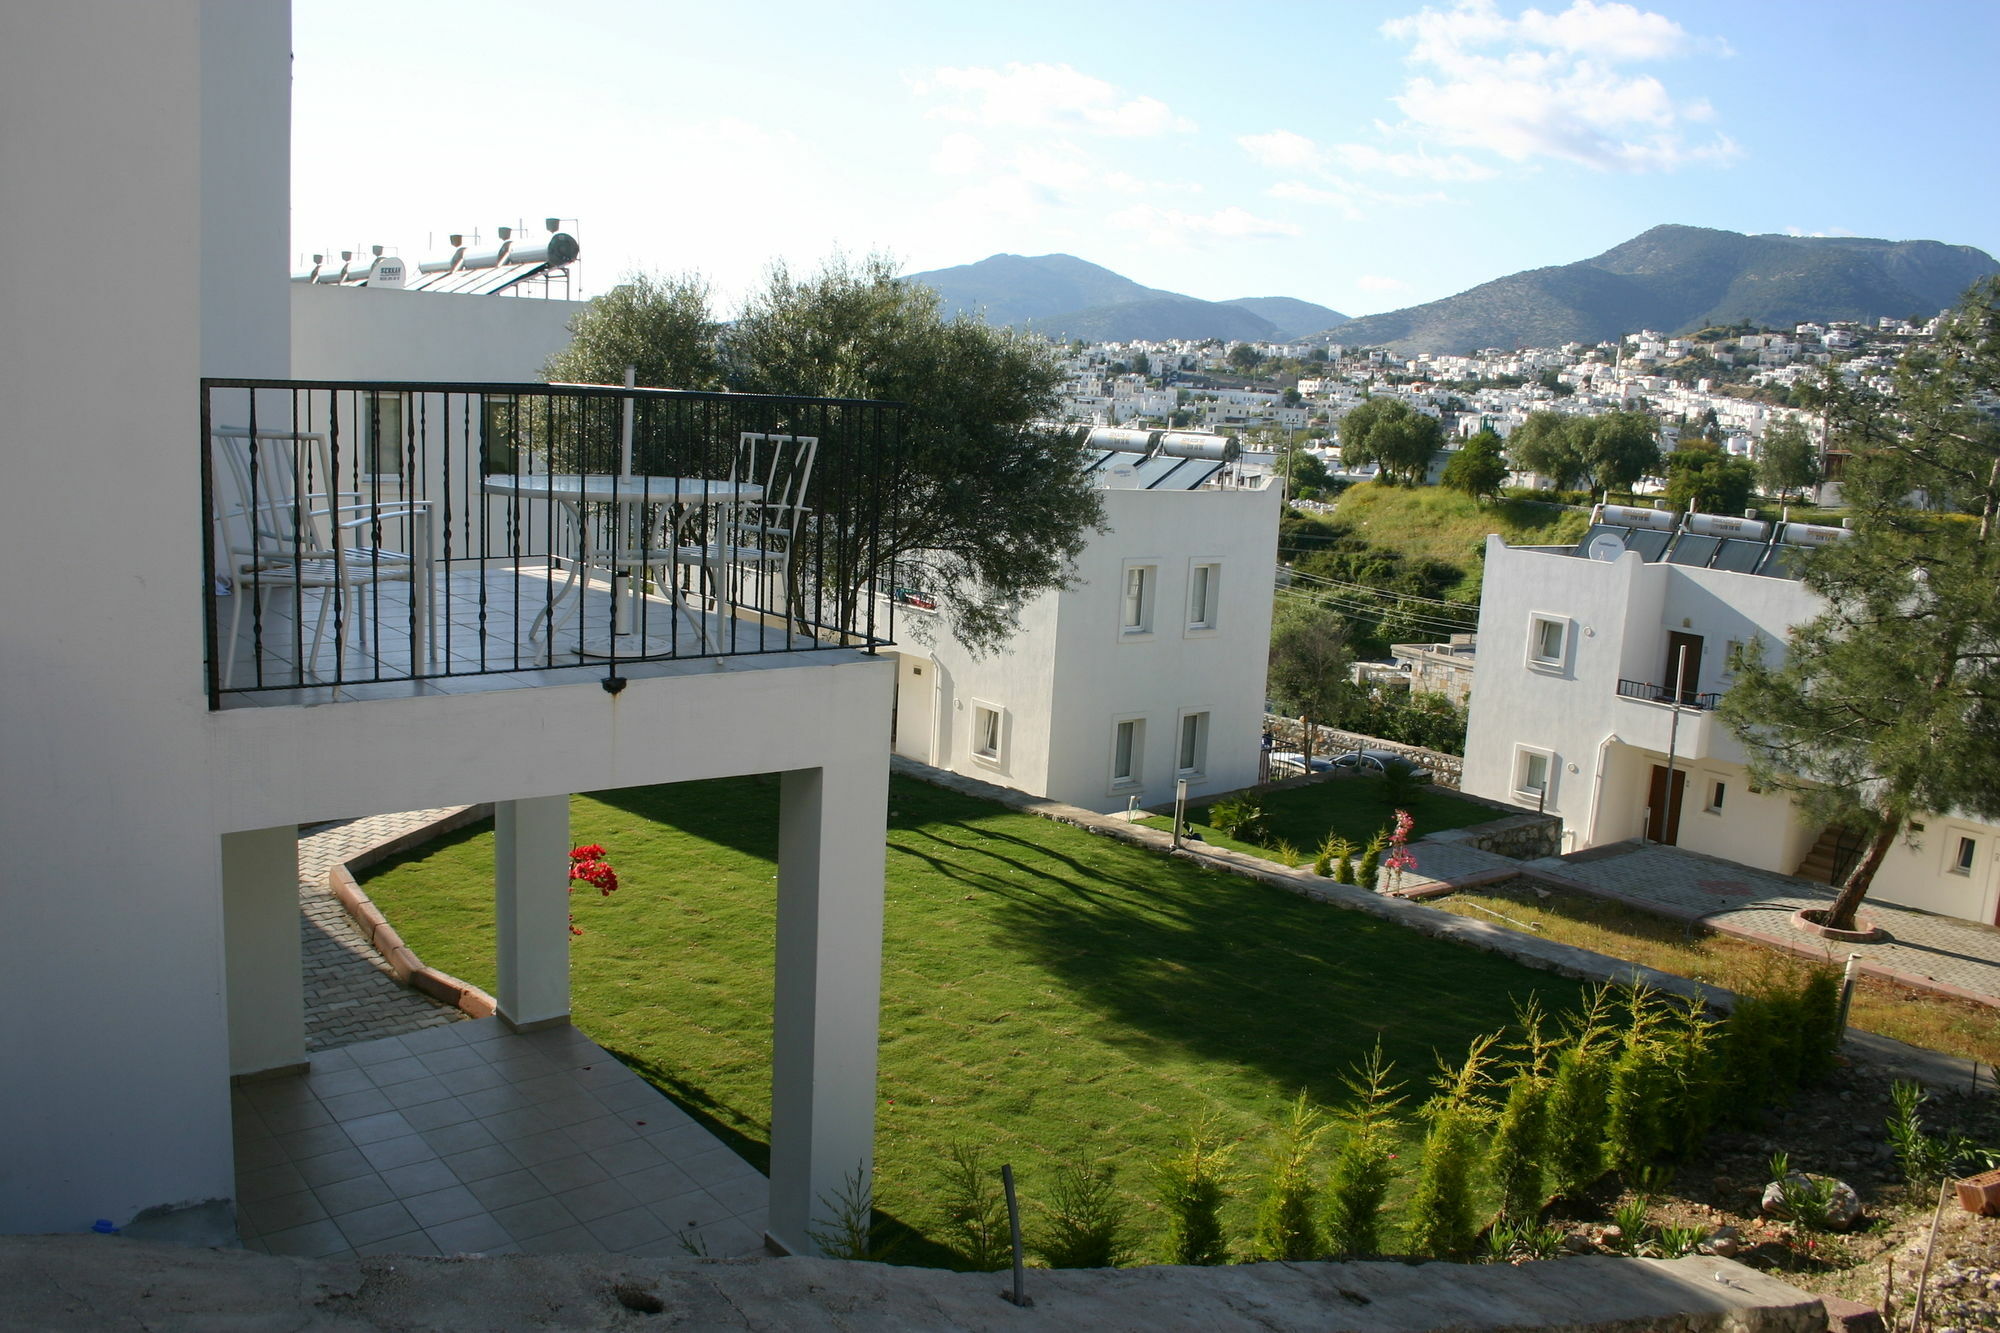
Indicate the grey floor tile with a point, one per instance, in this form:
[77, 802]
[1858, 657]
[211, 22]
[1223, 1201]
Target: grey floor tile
[268, 1094]
[339, 1082]
[448, 1139]
[713, 1168]
[398, 1152]
[619, 1232]
[571, 1108]
[300, 1144]
[415, 1092]
[569, 1240]
[513, 1187]
[380, 1050]
[356, 1105]
[484, 1102]
[683, 1141]
[306, 1115]
[328, 1167]
[631, 1155]
[634, 1095]
[447, 1058]
[437, 1114]
[314, 1240]
[349, 1196]
[534, 1217]
[568, 1173]
[414, 1242]
[742, 1194]
[266, 1217]
[658, 1183]
[256, 1154]
[420, 1177]
[381, 1125]
[507, 1125]
[271, 1182]
[396, 1071]
[731, 1240]
[441, 1206]
[328, 1061]
[602, 1198]
[600, 1133]
[546, 1146]
[430, 1041]
[367, 1225]
[479, 1163]
[472, 1078]
[696, 1208]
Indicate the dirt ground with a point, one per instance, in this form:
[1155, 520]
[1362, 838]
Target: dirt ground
[1838, 1130]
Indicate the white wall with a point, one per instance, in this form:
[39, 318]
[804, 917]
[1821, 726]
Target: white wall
[1071, 672]
[114, 1074]
[383, 333]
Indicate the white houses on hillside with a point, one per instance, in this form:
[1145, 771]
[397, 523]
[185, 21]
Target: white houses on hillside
[1600, 666]
[1148, 668]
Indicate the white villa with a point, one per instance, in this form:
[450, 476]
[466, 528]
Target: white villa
[170, 715]
[1600, 666]
[1148, 669]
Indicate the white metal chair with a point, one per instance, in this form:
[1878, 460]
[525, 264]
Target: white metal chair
[750, 543]
[286, 528]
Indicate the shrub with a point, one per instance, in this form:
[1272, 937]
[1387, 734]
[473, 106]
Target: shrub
[1443, 1223]
[975, 1208]
[1576, 1103]
[1520, 1141]
[1083, 1223]
[1193, 1186]
[1365, 1166]
[1238, 817]
[1287, 1219]
[1343, 861]
[1371, 860]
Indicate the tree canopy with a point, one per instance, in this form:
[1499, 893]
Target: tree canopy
[1545, 444]
[1885, 707]
[1477, 468]
[1389, 433]
[993, 505]
[1704, 479]
[1609, 452]
[1787, 460]
[1310, 663]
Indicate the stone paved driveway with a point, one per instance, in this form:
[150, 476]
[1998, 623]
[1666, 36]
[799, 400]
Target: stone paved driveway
[350, 993]
[1690, 886]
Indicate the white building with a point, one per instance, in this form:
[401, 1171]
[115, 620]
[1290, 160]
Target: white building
[1599, 669]
[1148, 668]
[151, 949]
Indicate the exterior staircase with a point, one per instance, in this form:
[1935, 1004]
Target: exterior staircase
[1832, 856]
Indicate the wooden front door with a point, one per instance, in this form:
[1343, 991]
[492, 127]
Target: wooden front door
[1663, 808]
[1683, 648]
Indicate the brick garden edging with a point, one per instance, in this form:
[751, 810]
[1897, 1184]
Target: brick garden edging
[403, 962]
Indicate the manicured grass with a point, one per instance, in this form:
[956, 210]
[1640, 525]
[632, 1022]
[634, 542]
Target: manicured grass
[1050, 995]
[1352, 807]
[1936, 1022]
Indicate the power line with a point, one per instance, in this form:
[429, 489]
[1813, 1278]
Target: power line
[1370, 588]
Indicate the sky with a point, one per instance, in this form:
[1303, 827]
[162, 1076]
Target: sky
[1360, 154]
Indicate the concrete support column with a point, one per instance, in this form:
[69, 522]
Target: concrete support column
[831, 827]
[531, 909]
[264, 970]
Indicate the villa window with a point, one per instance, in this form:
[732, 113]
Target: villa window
[1532, 771]
[1204, 583]
[1964, 855]
[381, 433]
[987, 732]
[1716, 791]
[1136, 608]
[1192, 756]
[1548, 639]
[1128, 751]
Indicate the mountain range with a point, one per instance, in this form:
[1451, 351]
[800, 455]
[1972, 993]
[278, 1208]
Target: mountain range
[1066, 297]
[1674, 279]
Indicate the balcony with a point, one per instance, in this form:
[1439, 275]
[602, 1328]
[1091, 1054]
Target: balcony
[1666, 720]
[368, 540]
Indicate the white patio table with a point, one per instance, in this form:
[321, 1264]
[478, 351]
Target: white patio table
[680, 499]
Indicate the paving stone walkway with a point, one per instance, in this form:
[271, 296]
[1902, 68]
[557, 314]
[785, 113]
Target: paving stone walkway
[351, 995]
[1693, 887]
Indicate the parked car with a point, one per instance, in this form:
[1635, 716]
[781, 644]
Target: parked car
[1290, 763]
[1379, 763]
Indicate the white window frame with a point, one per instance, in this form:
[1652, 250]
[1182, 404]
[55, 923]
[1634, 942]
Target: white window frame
[997, 756]
[1201, 717]
[1207, 623]
[1134, 778]
[1718, 789]
[1149, 599]
[1536, 660]
[369, 405]
[1959, 841]
[1523, 754]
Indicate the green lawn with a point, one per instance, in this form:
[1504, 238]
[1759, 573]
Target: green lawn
[1353, 807]
[1052, 995]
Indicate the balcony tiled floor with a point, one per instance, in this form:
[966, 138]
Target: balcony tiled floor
[470, 1138]
[485, 614]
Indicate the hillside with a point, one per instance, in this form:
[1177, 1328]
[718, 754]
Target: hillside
[1677, 279]
[1066, 297]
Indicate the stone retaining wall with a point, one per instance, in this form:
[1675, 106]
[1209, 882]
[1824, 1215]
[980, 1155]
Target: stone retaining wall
[1446, 769]
[1522, 837]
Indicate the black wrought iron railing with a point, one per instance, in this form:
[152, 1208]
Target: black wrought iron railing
[362, 534]
[1667, 694]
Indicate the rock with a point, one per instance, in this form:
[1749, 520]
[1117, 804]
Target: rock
[1843, 1207]
[1723, 1247]
[1578, 1243]
[1610, 1235]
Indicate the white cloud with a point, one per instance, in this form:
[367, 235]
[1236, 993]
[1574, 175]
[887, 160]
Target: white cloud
[1549, 86]
[1177, 229]
[1057, 97]
[1376, 282]
[1282, 150]
[1830, 231]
